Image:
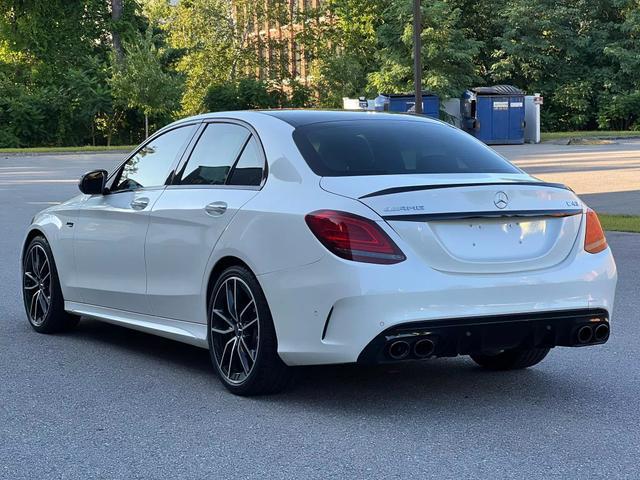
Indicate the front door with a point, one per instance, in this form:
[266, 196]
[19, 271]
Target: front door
[110, 229]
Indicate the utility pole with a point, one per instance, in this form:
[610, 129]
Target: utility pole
[116, 15]
[417, 54]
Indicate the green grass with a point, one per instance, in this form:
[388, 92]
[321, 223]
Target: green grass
[620, 223]
[589, 134]
[89, 148]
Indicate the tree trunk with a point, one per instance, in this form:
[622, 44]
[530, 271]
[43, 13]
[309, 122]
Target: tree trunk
[146, 126]
[116, 15]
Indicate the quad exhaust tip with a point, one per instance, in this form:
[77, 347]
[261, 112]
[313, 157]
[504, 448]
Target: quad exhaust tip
[424, 348]
[601, 332]
[589, 333]
[399, 349]
[585, 334]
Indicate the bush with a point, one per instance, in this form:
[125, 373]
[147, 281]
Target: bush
[22, 117]
[220, 98]
[570, 107]
[249, 93]
[620, 112]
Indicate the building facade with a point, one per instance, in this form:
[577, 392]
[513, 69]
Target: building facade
[277, 31]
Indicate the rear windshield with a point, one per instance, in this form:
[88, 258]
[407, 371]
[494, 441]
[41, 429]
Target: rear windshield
[392, 147]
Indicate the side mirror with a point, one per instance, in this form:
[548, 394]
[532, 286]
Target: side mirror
[94, 182]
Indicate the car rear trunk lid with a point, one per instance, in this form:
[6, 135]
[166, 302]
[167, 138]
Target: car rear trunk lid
[473, 223]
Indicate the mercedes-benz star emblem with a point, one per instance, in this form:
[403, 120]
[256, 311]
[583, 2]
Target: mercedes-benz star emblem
[501, 200]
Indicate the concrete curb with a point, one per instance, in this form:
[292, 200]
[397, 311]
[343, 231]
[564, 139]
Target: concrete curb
[577, 140]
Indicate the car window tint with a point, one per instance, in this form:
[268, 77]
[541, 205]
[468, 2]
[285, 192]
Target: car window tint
[248, 170]
[214, 154]
[392, 147]
[151, 165]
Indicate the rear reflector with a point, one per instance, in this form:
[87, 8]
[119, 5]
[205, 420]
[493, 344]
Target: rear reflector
[353, 237]
[594, 240]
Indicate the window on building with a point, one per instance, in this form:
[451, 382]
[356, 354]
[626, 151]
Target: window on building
[297, 60]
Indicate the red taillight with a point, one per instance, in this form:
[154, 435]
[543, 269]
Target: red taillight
[594, 239]
[353, 237]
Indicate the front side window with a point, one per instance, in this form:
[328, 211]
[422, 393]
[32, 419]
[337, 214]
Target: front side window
[151, 165]
[226, 154]
[394, 147]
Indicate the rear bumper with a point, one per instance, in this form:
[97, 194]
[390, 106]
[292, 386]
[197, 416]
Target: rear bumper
[329, 311]
[463, 336]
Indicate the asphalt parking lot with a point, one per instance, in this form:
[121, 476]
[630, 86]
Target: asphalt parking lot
[607, 177]
[106, 402]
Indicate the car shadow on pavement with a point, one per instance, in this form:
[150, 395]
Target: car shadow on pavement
[417, 398]
[177, 354]
[436, 385]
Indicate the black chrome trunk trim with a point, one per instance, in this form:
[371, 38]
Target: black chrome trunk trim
[430, 217]
[416, 188]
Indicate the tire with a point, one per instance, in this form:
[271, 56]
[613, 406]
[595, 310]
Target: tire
[511, 359]
[41, 292]
[242, 340]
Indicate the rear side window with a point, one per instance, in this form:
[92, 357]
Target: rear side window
[250, 166]
[392, 147]
[217, 150]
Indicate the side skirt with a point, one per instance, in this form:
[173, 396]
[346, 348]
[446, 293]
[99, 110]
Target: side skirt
[186, 332]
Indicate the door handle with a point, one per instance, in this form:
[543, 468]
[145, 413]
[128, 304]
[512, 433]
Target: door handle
[215, 209]
[140, 203]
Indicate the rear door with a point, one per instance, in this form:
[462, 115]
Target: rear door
[222, 172]
[110, 229]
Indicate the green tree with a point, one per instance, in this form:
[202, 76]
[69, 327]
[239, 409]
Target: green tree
[55, 58]
[341, 49]
[558, 49]
[57, 33]
[481, 21]
[247, 93]
[142, 83]
[212, 42]
[448, 49]
[619, 104]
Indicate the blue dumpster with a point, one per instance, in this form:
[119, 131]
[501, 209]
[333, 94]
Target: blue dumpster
[494, 115]
[406, 102]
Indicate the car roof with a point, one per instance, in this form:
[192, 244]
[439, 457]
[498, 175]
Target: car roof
[297, 118]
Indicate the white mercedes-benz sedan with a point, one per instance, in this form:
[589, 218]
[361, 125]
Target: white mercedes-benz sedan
[284, 238]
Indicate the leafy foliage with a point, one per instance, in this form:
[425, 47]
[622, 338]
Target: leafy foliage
[448, 50]
[205, 33]
[578, 54]
[142, 83]
[250, 93]
[342, 51]
[64, 81]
